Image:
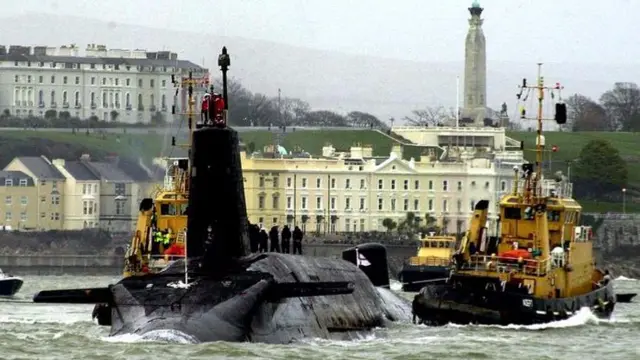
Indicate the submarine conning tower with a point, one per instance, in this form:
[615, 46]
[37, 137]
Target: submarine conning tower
[217, 215]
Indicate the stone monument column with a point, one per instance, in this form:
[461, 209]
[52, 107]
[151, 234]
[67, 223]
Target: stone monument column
[475, 70]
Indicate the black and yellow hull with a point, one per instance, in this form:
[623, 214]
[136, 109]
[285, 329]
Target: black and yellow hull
[444, 303]
[415, 277]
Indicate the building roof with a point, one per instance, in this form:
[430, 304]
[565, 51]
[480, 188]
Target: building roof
[41, 168]
[110, 172]
[16, 176]
[133, 169]
[79, 170]
[182, 64]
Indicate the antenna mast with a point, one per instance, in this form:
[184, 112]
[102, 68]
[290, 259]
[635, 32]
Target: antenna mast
[560, 118]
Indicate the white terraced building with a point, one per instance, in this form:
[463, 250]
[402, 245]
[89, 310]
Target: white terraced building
[135, 84]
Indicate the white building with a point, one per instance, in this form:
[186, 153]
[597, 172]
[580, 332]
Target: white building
[131, 85]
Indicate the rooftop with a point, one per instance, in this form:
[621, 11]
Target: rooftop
[41, 168]
[16, 176]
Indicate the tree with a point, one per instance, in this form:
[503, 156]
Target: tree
[431, 116]
[389, 224]
[363, 119]
[584, 114]
[599, 171]
[114, 115]
[323, 118]
[622, 104]
[291, 111]
[50, 114]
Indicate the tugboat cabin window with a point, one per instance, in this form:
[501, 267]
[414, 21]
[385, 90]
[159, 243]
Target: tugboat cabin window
[171, 209]
[553, 215]
[512, 213]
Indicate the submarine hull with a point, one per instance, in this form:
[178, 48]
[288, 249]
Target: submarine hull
[441, 304]
[246, 306]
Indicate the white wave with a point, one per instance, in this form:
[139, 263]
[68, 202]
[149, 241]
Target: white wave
[582, 317]
[624, 278]
[172, 336]
[395, 285]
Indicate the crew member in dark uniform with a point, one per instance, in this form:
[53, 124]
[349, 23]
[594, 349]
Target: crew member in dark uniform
[286, 240]
[264, 240]
[273, 237]
[297, 240]
[254, 237]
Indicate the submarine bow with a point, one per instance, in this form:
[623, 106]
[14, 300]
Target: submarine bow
[220, 292]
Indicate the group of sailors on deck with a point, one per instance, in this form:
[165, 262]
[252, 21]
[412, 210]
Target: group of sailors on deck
[280, 241]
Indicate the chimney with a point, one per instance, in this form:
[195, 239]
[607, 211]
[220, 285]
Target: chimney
[113, 159]
[58, 162]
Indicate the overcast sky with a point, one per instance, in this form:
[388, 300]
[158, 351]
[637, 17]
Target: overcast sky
[424, 30]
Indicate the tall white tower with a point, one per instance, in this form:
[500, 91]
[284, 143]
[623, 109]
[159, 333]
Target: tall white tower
[475, 70]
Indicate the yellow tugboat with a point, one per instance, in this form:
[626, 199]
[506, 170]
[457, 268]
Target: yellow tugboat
[542, 267]
[431, 264]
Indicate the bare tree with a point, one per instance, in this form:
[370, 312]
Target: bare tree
[622, 104]
[430, 116]
[584, 114]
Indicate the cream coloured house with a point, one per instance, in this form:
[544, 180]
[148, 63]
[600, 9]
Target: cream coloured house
[82, 193]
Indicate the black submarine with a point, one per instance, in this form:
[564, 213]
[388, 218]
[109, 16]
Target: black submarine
[220, 292]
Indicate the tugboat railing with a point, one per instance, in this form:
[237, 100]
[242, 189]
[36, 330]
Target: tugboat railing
[429, 261]
[498, 264]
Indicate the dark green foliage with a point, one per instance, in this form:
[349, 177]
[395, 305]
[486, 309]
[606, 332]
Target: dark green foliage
[599, 170]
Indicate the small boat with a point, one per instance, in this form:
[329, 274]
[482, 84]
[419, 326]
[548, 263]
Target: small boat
[625, 298]
[431, 264]
[543, 267]
[9, 284]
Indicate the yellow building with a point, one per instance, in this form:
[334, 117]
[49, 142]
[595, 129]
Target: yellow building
[49, 191]
[18, 195]
[82, 194]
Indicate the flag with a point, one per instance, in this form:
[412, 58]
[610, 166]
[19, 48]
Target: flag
[361, 260]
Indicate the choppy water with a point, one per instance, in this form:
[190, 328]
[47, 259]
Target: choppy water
[35, 331]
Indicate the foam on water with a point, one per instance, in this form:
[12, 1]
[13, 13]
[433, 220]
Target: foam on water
[583, 317]
[395, 285]
[624, 278]
[171, 336]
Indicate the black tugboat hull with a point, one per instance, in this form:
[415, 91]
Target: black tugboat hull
[414, 277]
[441, 304]
[10, 286]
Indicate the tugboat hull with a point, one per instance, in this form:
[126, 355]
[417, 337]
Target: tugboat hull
[440, 304]
[414, 277]
[10, 286]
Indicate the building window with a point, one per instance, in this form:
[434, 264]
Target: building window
[276, 181]
[8, 182]
[430, 184]
[40, 79]
[445, 208]
[347, 203]
[304, 203]
[459, 185]
[8, 200]
[117, 82]
[275, 200]
[64, 79]
[88, 207]
[120, 189]
[43, 215]
[304, 183]
[430, 204]
[7, 216]
[152, 83]
[318, 203]
[289, 182]
[380, 204]
[16, 78]
[503, 185]
[140, 83]
[459, 205]
[261, 181]
[362, 202]
[128, 82]
[380, 184]
[333, 183]
[23, 200]
[43, 198]
[486, 185]
[261, 202]
[120, 207]
[23, 216]
[361, 225]
[77, 80]
[55, 199]
[333, 203]
[393, 184]
[289, 202]
[164, 83]
[416, 205]
[318, 183]
[347, 184]
[55, 216]
[473, 204]
[416, 185]
[53, 79]
[406, 205]
[393, 204]
[405, 185]
[362, 184]
[93, 80]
